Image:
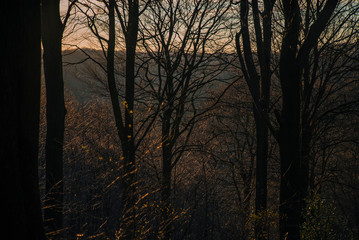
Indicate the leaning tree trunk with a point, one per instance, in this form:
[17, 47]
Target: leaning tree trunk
[19, 123]
[52, 30]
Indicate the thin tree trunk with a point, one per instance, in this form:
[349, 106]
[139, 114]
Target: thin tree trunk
[261, 177]
[306, 158]
[264, 54]
[125, 128]
[130, 160]
[261, 90]
[52, 30]
[131, 43]
[111, 81]
[166, 172]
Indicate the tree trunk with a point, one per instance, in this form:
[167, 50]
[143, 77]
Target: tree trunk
[130, 157]
[131, 43]
[52, 30]
[166, 171]
[261, 91]
[264, 54]
[20, 107]
[125, 128]
[261, 176]
[306, 158]
[290, 158]
[290, 126]
[294, 166]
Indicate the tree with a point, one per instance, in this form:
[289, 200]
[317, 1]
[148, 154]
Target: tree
[233, 148]
[292, 61]
[101, 20]
[328, 76]
[261, 91]
[52, 33]
[293, 187]
[130, 33]
[181, 63]
[20, 107]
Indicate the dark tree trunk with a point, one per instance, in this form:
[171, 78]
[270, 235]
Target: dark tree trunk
[113, 96]
[306, 159]
[131, 43]
[125, 128]
[261, 176]
[20, 107]
[264, 54]
[260, 91]
[290, 155]
[52, 30]
[111, 72]
[166, 171]
[290, 126]
[122, 131]
[294, 158]
[130, 158]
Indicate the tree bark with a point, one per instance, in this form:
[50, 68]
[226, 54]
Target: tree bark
[294, 165]
[264, 55]
[19, 125]
[131, 43]
[125, 127]
[52, 30]
[293, 158]
[290, 126]
[261, 91]
[130, 158]
[166, 171]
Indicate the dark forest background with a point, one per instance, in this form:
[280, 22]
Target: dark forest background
[180, 119]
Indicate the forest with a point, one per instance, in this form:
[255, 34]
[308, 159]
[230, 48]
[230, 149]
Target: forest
[180, 119]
